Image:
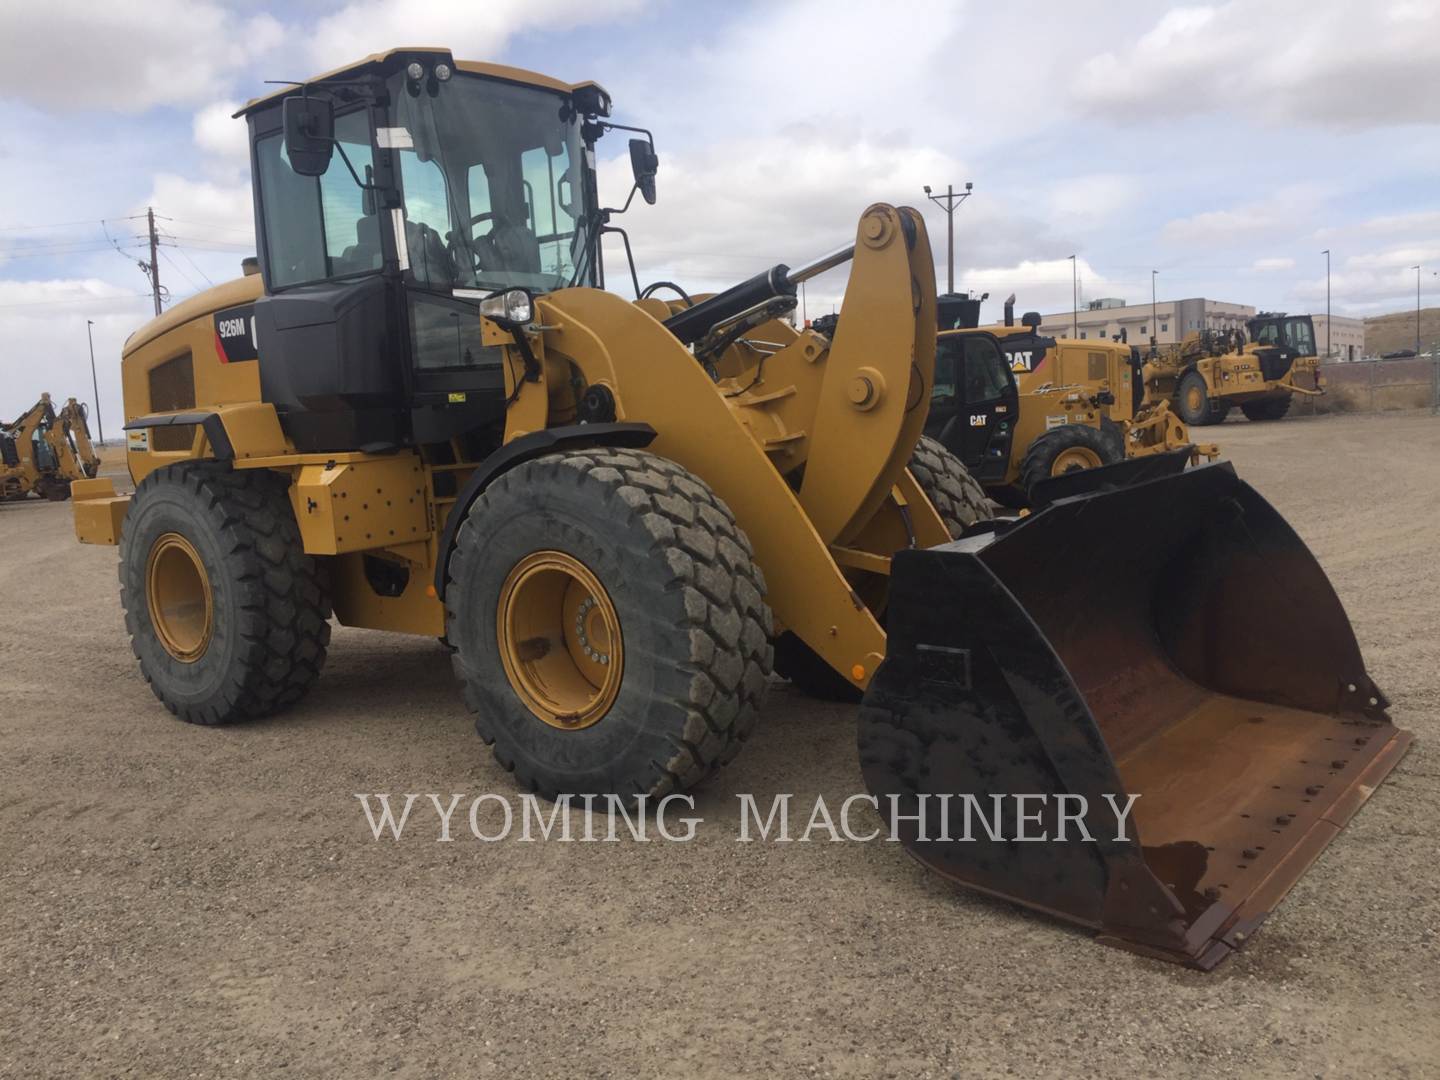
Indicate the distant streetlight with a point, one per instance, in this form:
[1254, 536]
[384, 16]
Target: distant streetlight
[95, 383]
[1074, 299]
[1328, 355]
[1417, 309]
[948, 202]
[1154, 319]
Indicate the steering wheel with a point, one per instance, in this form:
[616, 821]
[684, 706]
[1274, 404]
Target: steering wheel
[489, 215]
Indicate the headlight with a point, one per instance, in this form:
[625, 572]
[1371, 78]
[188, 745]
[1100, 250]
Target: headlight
[510, 309]
[415, 71]
[442, 72]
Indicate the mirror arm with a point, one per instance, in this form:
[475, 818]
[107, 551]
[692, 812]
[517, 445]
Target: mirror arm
[606, 125]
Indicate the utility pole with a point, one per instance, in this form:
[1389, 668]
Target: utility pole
[94, 382]
[1074, 300]
[948, 202]
[1328, 355]
[1417, 309]
[154, 257]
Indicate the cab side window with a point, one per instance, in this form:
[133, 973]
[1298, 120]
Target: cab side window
[986, 372]
[947, 358]
[319, 227]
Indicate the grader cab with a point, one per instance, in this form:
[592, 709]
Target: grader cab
[427, 415]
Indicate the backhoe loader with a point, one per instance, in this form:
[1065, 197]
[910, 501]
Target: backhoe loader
[69, 436]
[45, 451]
[427, 415]
[1210, 372]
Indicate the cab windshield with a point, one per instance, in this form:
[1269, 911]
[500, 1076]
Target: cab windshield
[1300, 336]
[492, 180]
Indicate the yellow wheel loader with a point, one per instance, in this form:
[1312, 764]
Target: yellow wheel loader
[1020, 409]
[427, 415]
[1209, 373]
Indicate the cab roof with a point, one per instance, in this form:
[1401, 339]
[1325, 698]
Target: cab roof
[475, 67]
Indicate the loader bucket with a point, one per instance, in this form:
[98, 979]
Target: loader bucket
[1172, 640]
[1134, 470]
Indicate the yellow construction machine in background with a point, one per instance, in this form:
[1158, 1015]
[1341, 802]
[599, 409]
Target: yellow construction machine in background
[43, 452]
[427, 415]
[1211, 372]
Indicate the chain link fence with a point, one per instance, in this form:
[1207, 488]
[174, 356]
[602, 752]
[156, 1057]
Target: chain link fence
[1376, 386]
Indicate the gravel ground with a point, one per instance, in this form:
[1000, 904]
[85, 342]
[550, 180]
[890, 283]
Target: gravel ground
[177, 901]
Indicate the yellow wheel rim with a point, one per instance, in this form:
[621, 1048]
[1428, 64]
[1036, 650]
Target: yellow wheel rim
[1194, 399]
[1074, 459]
[177, 590]
[560, 640]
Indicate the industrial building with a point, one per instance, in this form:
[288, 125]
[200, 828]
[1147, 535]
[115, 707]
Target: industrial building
[1168, 320]
[1346, 340]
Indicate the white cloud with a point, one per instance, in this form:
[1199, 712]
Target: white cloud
[1044, 285]
[217, 131]
[1313, 62]
[1289, 211]
[226, 210]
[127, 57]
[1265, 266]
[44, 322]
[1093, 199]
[470, 30]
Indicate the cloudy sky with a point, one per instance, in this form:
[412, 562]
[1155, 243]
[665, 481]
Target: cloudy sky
[1224, 145]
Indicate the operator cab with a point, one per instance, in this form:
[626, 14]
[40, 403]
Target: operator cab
[390, 198]
[1282, 339]
[974, 403]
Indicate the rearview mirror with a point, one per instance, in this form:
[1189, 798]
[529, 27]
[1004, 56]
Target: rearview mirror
[309, 134]
[644, 163]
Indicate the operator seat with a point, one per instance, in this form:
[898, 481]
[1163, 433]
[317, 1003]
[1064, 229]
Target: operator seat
[365, 253]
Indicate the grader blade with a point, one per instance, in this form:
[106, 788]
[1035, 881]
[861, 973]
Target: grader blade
[1183, 647]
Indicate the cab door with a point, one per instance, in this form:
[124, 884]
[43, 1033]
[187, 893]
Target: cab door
[975, 403]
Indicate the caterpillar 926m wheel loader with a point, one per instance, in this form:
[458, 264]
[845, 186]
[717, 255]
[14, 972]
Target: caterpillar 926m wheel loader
[432, 418]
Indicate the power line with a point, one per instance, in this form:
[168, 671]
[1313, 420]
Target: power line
[62, 224]
[192, 262]
[178, 269]
[76, 300]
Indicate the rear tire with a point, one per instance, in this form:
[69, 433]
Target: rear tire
[1268, 409]
[226, 613]
[1194, 403]
[1060, 450]
[654, 555]
[956, 495]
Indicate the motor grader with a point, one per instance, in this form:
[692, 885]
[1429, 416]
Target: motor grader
[1210, 372]
[427, 415]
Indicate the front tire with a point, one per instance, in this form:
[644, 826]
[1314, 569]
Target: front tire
[226, 613]
[1071, 448]
[609, 624]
